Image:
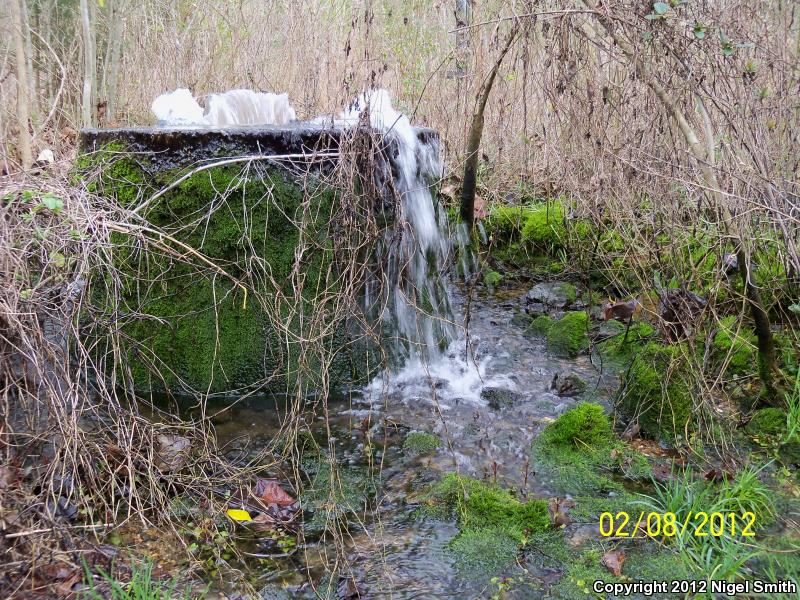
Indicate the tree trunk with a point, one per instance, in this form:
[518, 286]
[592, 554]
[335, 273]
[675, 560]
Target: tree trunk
[23, 102]
[463, 14]
[113, 69]
[474, 140]
[87, 101]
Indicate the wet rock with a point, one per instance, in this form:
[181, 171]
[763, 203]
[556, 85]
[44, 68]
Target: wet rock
[498, 398]
[536, 309]
[555, 294]
[171, 452]
[568, 384]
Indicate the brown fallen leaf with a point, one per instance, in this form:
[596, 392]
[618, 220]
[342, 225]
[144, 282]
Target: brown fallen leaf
[631, 431]
[621, 311]
[269, 492]
[613, 560]
[172, 452]
[559, 513]
[718, 475]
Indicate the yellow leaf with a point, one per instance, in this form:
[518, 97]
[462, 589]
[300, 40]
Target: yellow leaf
[101, 3]
[239, 515]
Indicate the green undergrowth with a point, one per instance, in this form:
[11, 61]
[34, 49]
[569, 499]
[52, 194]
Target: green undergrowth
[581, 454]
[566, 336]
[657, 392]
[493, 523]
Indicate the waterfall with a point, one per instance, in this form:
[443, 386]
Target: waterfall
[408, 296]
[228, 109]
[417, 317]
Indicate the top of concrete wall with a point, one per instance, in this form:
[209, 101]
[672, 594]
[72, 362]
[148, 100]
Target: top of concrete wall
[170, 147]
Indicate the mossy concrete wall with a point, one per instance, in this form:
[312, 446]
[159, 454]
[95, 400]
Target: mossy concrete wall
[187, 327]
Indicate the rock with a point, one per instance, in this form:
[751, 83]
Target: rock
[567, 385]
[555, 294]
[536, 309]
[498, 398]
[171, 452]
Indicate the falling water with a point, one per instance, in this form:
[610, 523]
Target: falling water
[409, 296]
[228, 109]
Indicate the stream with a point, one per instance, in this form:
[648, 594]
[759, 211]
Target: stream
[486, 413]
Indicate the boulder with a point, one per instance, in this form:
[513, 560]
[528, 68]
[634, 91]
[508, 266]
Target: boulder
[554, 294]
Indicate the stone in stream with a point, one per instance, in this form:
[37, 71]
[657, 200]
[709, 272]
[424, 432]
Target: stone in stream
[568, 384]
[498, 397]
[550, 295]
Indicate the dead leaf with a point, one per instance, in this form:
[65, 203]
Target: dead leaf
[613, 560]
[172, 452]
[718, 475]
[269, 492]
[480, 208]
[559, 513]
[7, 477]
[631, 431]
[621, 311]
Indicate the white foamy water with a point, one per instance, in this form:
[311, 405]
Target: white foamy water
[430, 358]
[228, 109]
[177, 109]
[246, 107]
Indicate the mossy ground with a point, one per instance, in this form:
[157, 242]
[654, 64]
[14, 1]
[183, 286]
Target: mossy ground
[656, 392]
[581, 455]
[493, 523]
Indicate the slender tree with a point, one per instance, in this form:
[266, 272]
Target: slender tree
[23, 101]
[475, 134]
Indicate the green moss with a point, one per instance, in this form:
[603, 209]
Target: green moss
[192, 324]
[541, 325]
[567, 336]
[575, 451]
[421, 442]
[335, 493]
[580, 453]
[767, 421]
[484, 551]
[735, 346]
[492, 278]
[519, 231]
[618, 350]
[479, 506]
[586, 426]
[656, 392]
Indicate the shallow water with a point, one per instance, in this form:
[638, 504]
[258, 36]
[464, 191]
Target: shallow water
[393, 552]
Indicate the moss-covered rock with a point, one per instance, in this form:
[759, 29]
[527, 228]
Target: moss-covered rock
[657, 393]
[498, 397]
[586, 426]
[580, 453]
[734, 346]
[493, 523]
[480, 506]
[568, 335]
[540, 325]
[421, 442]
[237, 326]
